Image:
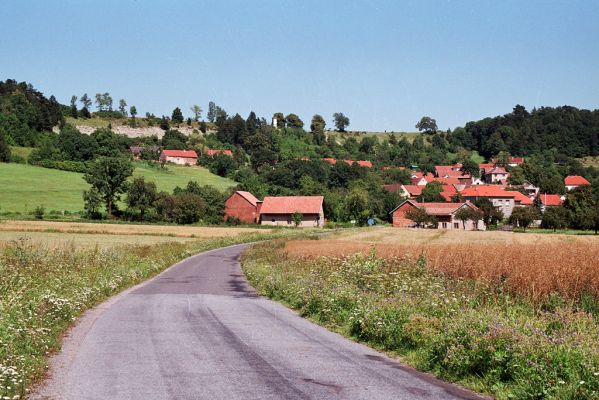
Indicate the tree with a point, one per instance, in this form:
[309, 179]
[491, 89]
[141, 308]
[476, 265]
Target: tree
[107, 101]
[141, 196]
[211, 115]
[133, 112]
[491, 215]
[341, 121]
[86, 101]
[108, 175]
[463, 214]
[471, 167]
[356, 206]
[297, 218]
[123, 107]
[165, 123]
[293, 121]
[92, 200]
[427, 125]
[189, 208]
[99, 102]
[555, 218]
[197, 112]
[279, 120]
[418, 216]
[4, 148]
[524, 216]
[177, 116]
[74, 112]
[174, 140]
[317, 126]
[432, 192]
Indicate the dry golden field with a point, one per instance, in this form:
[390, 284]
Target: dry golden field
[125, 229]
[534, 265]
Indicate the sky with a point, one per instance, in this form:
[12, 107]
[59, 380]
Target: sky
[385, 64]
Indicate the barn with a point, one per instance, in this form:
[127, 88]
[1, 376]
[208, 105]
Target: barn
[280, 210]
[242, 206]
[443, 212]
[181, 157]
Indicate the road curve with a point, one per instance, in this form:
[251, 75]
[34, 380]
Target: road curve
[199, 331]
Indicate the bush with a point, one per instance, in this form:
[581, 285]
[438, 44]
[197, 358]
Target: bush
[39, 212]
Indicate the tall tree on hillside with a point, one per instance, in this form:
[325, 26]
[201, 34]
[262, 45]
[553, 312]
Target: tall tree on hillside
[141, 196]
[427, 125]
[4, 148]
[99, 102]
[108, 175]
[123, 107]
[220, 116]
[74, 112]
[197, 112]
[341, 121]
[293, 121]
[177, 116]
[317, 127]
[107, 101]
[252, 123]
[86, 101]
[279, 119]
[133, 112]
[211, 115]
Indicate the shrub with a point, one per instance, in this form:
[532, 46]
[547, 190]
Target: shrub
[39, 212]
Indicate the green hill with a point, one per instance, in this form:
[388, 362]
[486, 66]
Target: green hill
[24, 187]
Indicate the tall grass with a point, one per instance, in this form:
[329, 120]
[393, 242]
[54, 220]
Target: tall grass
[43, 290]
[478, 332]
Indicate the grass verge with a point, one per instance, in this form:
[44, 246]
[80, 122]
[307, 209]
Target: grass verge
[462, 330]
[43, 290]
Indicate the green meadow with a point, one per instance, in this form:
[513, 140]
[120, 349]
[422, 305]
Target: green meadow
[24, 187]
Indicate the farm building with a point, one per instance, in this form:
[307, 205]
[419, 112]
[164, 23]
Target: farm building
[550, 200]
[502, 199]
[243, 206]
[280, 210]
[181, 157]
[574, 181]
[215, 152]
[444, 212]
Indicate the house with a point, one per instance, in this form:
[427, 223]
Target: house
[495, 175]
[242, 206]
[215, 152]
[361, 163]
[280, 210]
[444, 212]
[502, 199]
[574, 181]
[181, 157]
[521, 199]
[135, 151]
[531, 190]
[446, 171]
[515, 161]
[411, 191]
[550, 200]
[394, 188]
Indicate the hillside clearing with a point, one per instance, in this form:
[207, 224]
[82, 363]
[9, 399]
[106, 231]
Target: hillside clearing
[24, 187]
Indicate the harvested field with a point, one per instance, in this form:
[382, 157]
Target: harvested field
[535, 267]
[126, 229]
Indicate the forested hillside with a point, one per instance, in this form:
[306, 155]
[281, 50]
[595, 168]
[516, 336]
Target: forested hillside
[572, 132]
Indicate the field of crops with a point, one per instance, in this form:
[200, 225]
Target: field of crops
[510, 315]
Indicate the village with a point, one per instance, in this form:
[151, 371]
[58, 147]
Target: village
[460, 190]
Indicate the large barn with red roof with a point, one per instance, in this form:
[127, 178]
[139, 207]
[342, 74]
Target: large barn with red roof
[443, 212]
[243, 207]
[181, 157]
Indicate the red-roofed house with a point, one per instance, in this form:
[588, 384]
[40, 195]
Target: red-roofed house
[515, 161]
[280, 210]
[444, 212]
[181, 157]
[361, 163]
[243, 206]
[394, 188]
[495, 175]
[522, 199]
[216, 152]
[550, 200]
[574, 181]
[411, 191]
[502, 199]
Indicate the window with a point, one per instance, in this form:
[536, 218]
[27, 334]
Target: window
[456, 225]
[444, 225]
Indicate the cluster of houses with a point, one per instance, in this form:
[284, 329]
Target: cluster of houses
[492, 185]
[275, 210]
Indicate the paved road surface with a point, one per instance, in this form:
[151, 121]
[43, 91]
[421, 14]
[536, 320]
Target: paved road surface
[198, 331]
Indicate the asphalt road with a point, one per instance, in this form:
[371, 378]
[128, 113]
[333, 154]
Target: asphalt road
[198, 331]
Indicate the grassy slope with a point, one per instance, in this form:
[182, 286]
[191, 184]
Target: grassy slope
[24, 186]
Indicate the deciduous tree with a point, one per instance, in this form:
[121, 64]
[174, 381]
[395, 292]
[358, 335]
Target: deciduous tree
[108, 175]
[340, 121]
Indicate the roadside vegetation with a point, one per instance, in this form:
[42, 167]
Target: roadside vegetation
[45, 288]
[511, 320]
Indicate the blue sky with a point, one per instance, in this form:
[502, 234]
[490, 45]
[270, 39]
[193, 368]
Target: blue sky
[383, 63]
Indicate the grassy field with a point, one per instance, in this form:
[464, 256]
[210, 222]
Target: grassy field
[23, 152]
[512, 315]
[24, 187]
